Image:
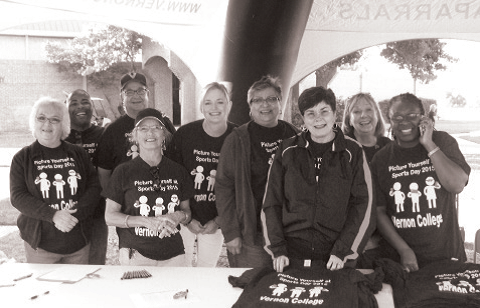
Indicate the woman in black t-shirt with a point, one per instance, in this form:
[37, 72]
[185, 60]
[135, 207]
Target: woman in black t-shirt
[148, 196]
[56, 189]
[197, 147]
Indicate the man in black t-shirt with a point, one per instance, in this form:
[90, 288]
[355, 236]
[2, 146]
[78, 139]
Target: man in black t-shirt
[87, 135]
[114, 146]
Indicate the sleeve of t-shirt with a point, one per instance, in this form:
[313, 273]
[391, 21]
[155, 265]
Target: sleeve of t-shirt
[114, 189]
[450, 148]
[104, 154]
[177, 147]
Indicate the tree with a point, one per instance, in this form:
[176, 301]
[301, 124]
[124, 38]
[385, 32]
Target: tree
[97, 51]
[422, 58]
[456, 100]
[99, 55]
[325, 73]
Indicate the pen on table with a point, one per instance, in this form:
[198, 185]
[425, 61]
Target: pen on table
[23, 277]
[36, 296]
[7, 285]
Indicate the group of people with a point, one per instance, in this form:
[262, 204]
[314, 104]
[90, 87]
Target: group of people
[275, 195]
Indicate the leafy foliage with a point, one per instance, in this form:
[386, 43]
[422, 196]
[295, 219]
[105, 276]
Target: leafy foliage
[422, 58]
[456, 100]
[325, 73]
[98, 50]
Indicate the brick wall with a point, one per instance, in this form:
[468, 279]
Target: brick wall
[22, 82]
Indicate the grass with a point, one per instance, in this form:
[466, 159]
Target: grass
[8, 214]
[457, 127]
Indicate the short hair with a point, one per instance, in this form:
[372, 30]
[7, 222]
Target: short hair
[264, 83]
[58, 105]
[347, 128]
[405, 98]
[77, 91]
[315, 95]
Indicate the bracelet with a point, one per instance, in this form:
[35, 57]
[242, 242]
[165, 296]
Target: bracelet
[186, 220]
[433, 151]
[126, 221]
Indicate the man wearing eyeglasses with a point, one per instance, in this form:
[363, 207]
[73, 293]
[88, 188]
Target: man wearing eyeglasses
[87, 135]
[114, 146]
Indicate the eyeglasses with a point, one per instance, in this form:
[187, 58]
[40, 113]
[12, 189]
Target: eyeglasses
[270, 100]
[156, 175]
[322, 113]
[139, 92]
[408, 117]
[43, 119]
[145, 129]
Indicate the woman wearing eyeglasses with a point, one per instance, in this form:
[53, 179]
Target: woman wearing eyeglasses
[56, 189]
[318, 200]
[245, 158]
[147, 198]
[417, 177]
[197, 147]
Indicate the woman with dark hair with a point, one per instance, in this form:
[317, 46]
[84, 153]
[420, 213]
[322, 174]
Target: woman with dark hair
[318, 200]
[56, 189]
[147, 198]
[197, 148]
[242, 172]
[417, 177]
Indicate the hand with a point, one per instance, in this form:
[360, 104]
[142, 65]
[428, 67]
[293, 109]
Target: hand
[234, 246]
[166, 224]
[408, 260]
[210, 227]
[279, 263]
[195, 227]
[426, 126]
[64, 221]
[334, 263]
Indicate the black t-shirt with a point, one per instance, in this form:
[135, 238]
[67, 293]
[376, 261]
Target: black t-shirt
[199, 153]
[441, 284]
[88, 139]
[309, 287]
[264, 143]
[318, 149]
[132, 185]
[421, 210]
[57, 179]
[114, 146]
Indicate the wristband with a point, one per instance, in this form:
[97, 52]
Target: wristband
[433, 151]
[126, 221]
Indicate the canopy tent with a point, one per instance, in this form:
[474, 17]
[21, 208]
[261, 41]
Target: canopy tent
[207, 34]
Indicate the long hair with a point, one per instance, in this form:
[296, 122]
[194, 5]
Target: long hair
[347, 128]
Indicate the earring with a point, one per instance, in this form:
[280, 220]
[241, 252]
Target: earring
[164, 147]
